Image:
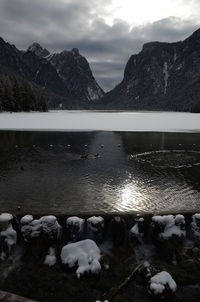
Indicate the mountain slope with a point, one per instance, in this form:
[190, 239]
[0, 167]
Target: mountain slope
[74, 71]
[51, 79]
[163, 76]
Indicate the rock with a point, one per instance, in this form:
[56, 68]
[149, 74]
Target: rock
[8, 236]
[162, 285]
[118, 231]
[37, 49]
[95, 228]
[75, 227]
[76, 74]
[168, 234]
[85, 254]
[195, 226]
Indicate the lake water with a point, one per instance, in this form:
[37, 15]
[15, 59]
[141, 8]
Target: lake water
[99, 172]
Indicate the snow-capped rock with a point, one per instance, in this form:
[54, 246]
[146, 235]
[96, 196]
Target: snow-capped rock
[95, 223]
[46, 225]
[85, 254]
[195, 225]
[161, 284]
[51, 227]
[26, 227]
[136, 232]
[168, 226]
[8, 236]
[75, 226]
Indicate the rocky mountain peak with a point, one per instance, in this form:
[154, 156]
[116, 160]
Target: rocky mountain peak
[162, 76]
[75, 51]
[38, 50]
[75, 72]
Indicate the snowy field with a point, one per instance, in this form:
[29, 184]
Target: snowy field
[100, 120]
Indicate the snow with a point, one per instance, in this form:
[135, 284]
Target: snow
[166, 76]
[74, 220]
[33, 228]
[92, 94]
[159, 282]
[197, 215]
[51, 226]
[26, 219]
[36, 75]
[5, 217]
[95, 222]
[112, 121]
[36, 228]
[175, 55]
[50, 259]
[195, 225]
[26, 227]
[9, 237]
[172, 225]
[135, 230]
[75, 226]
[85, 254]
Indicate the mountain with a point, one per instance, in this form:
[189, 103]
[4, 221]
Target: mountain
[163, 76]
[74, 71]
[36, 80]
[38, 50]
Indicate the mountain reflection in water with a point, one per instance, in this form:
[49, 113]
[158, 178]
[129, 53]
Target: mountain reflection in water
[99, 172]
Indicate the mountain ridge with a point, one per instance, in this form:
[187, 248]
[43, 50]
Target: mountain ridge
[69, 82]
[162, 76]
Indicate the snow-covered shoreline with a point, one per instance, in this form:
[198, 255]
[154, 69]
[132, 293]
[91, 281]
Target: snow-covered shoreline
[65, 120]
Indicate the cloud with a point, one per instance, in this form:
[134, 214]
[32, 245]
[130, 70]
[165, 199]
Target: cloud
[64, 24]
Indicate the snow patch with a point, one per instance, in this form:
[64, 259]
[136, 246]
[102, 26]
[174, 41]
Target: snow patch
[75, 226]
[166, 76]
[95, 223]
[86, 121]
[93, 94]
[33, 228]
[195, 225]
[8, 236]
[173, 225]
[159, 282]
[75, 221]
[50, 259]
[5, 217]
[135, 230]
[85, 254]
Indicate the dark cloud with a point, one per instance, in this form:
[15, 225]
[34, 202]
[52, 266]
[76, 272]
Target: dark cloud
[64, 24]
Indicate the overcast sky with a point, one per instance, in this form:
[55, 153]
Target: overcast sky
[106, 32]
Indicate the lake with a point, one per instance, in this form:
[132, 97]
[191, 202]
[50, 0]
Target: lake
[94, 171]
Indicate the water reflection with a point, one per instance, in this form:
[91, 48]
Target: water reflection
[149, 172]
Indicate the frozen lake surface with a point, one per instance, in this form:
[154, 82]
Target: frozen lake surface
[101, 120]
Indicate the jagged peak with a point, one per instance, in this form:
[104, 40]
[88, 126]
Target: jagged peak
[155, 44]
[38, 50]
[75, 51]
